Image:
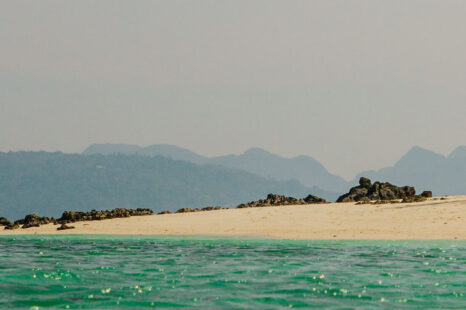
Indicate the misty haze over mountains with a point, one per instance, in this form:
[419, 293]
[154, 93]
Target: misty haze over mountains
[304, 169]
[421, 168]
[50, 183]
[166, 177]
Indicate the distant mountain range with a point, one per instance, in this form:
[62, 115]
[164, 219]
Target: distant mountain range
[50, 183]
[165, 177]
[424, 169]
[304, 169]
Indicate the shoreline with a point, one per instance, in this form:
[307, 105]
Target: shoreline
[428, 220]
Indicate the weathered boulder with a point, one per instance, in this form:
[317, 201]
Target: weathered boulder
[12, 226]
[313, 199]
[365, 182]
[4, 221]
[33, 220]
[377, 191]
[426, 194]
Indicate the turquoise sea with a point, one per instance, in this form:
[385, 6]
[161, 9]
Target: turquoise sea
[119, 272]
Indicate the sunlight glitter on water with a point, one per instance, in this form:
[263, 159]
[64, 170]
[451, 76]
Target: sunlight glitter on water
[137, 272]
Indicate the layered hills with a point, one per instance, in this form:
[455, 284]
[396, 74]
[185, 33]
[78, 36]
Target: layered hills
[304, 169]
[50, 183]
[424, 169]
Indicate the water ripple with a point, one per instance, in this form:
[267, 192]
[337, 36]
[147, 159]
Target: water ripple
[61, 272]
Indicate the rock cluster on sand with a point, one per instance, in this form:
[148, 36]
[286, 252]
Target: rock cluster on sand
[271, 200]
[186, 210]
[30, 220]
[278, 200]
[5, 222]
[382, 192]
[95, 215]
[33, 220]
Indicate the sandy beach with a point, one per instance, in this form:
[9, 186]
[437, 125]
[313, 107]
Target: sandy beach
[432, 219]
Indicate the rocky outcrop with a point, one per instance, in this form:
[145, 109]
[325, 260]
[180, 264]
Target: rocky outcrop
[313, 199]
[5, 222]
[382, 192]
[33, 220]
[278, 200]
[95, 215]
[426, 194]
[271, 200]
[12, 226]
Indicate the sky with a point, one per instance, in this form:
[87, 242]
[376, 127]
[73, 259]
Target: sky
[354, 84]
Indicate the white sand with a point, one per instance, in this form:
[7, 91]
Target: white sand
[433, 219]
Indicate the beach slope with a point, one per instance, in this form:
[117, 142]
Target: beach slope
[432, 219]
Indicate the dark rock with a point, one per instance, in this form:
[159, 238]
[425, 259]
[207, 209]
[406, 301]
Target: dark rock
[5, 222]
[211, 208]
[278, 200]
[65, 227]
[365, 182]
[187, 210]
[426, 194]
[165, 212]
[33, 220]
[94, 215]
[314, 199]
[377, 191]
[12, 226]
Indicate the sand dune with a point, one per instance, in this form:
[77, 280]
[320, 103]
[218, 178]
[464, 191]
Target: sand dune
[432, 219]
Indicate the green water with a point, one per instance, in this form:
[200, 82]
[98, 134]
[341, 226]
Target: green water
[93, 272]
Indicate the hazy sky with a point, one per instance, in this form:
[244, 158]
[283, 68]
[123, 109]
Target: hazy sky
[354, 84]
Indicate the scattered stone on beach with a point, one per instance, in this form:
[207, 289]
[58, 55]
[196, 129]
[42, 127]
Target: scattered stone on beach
[426, 194]
[367, 201]
[5, 222]
[417, 198]
[278, 200]
[65, 227]
[164, 212]
[211, 208]
[33, 220]
[97, 215]
[380, 192]
[313, 199]
[271, 200]
[11, 226]
[188, 210]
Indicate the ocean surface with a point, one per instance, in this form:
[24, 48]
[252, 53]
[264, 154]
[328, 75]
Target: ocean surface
[119, 272]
